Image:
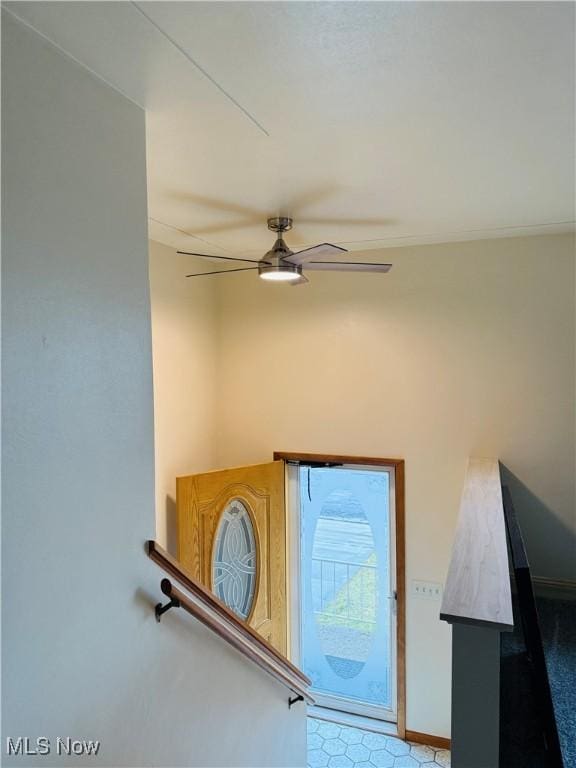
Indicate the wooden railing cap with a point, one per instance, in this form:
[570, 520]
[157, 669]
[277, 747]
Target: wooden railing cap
[477, 589]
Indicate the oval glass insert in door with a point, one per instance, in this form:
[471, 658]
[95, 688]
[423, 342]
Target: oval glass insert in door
[234, 559]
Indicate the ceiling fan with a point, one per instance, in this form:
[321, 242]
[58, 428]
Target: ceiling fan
[281, 264]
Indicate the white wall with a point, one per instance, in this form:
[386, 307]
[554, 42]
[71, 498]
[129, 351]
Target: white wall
[462, 350]
[82, 654]
[184, 344]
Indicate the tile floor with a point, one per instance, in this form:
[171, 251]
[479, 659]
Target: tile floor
[339, 746]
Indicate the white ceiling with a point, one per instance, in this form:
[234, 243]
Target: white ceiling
[372, 123]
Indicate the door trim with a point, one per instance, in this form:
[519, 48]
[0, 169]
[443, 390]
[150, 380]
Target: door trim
[399, 466]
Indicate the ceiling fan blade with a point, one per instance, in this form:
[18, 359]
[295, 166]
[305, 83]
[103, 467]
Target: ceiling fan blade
[227, 206]
[211, 256]
[223, 271]
[346, 266]
[324, 249]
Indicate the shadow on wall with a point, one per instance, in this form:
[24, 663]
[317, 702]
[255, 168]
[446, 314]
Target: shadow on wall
[171, 526]
[550, 543]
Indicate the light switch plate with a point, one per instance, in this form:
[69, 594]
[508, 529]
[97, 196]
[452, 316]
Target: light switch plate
[427, 590]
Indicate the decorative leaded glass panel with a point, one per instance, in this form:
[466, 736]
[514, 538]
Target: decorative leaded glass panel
[234, 559]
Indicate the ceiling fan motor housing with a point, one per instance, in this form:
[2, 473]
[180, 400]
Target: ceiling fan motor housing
[274, 262]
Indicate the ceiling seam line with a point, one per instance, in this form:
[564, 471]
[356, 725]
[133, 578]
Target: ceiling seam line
[188, 234]
[459, 232]
[71, 56]
[201, 69]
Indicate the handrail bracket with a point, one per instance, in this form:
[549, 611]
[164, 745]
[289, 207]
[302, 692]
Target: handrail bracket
[159, 609]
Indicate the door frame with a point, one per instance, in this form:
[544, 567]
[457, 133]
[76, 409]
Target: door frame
[398, 465]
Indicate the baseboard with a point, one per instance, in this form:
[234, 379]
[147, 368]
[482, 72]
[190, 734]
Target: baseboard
[440, 742]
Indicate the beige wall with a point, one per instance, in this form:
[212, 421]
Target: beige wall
[184, 343]
[463, 349]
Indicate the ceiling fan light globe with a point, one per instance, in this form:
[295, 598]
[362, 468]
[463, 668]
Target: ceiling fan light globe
[280, 273]
[279, 277]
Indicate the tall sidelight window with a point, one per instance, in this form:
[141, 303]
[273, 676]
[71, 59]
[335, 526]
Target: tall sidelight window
[347, 587]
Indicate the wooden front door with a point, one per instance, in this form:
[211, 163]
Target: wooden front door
[232, 538]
